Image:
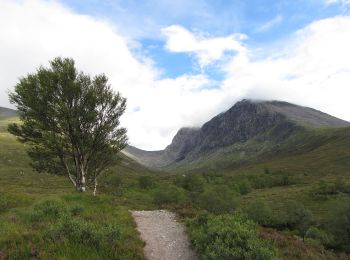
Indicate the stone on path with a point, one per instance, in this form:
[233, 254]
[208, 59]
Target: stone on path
[165, 237]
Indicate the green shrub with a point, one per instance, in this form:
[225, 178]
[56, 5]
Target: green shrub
[77, 231]
[145, 182]
[8, 201]
[192, 183]
[76, 210]
[116, 181]
[284, 180]
[4, 203]
[228, 237]
[51, 208]
[111, 234]
[169, 195]
[321, 236]
[267, 170]
[339, 225]
[261, 213]
[268, 180]
[244, 186]
[218, 200]
[325, 189]
[112, 184]
[296, 216]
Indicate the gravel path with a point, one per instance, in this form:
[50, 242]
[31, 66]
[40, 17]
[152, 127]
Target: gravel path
[165, 238]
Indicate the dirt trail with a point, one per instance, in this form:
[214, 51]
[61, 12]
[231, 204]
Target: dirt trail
[165, 238]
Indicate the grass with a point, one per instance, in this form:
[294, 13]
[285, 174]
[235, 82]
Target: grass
[306, 159]
[72, 226]
[27, 226]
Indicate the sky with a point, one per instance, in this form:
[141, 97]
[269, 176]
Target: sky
[179, 63]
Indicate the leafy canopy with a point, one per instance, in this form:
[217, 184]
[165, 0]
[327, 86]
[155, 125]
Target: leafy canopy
[70, 121]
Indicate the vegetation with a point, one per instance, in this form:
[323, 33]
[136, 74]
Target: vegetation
[72, 226]
[288, 210]
[229, 237]
[145, 182]
[169, 194]
[261, 213]
[339, 226]
[218, 200]
[70, 121]
[42, 217]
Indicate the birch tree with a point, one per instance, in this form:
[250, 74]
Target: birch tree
[70, 121]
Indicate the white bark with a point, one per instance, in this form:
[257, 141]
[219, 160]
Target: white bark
[68, 172]
[95, 186]
[83, 182]
[82, 173]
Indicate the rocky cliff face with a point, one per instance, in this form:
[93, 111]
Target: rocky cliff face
[183, 143]
[269, 121]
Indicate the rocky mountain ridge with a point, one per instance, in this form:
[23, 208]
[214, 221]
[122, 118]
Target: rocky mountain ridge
[261, 120]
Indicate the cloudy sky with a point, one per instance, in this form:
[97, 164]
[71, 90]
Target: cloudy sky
[181, 62]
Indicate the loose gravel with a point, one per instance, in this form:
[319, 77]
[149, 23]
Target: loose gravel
[165, 237]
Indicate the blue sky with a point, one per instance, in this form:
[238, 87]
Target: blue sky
[262, 21]
[179, 63]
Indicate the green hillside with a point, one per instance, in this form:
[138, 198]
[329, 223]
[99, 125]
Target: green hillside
[42, 215]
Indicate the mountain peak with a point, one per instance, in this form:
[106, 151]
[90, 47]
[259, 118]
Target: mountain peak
[269, 121]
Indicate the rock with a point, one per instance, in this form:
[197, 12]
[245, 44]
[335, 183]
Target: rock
[263, 120]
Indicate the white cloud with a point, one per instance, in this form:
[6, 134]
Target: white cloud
[311, 68]
[33, 32]
[343, 2]
[205, 49]
[270, 24]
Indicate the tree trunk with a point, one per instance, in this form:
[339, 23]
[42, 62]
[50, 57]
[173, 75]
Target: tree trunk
[95, 186]
[82, 182]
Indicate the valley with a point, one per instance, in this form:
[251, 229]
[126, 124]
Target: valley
[284, 167]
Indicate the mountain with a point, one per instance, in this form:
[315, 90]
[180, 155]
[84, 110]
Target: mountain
[249, 128]
[7, 112]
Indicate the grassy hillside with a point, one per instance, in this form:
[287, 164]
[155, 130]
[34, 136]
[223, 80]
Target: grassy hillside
[317, 147]
[41, 215]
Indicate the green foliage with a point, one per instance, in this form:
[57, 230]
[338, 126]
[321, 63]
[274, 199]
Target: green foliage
[76, 210]
[228, 237]
[145, 182]
[296, 216]
[70, 227]
[261, 213]
[112, 184]
[70, 121]
[169, 194]
[20, 187]
[77, 231]
[10, 201]
[339, 225]
[319, 235]
[218, 200]
[193, 183]
[269, 180]
[244, 186]
[326, 189]
[51, 208]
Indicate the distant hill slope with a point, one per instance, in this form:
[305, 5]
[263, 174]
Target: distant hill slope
[8, 144]
[7, 112]
[262, 123]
